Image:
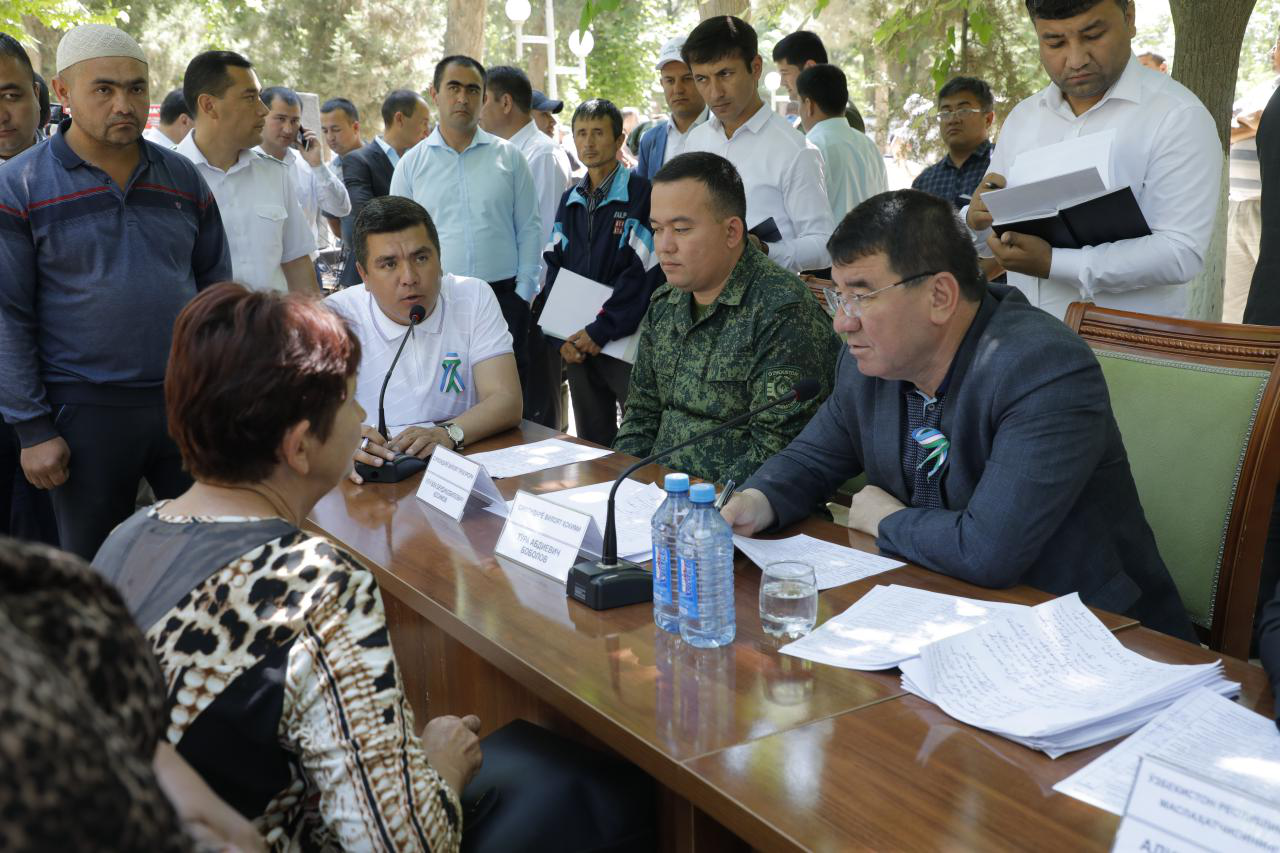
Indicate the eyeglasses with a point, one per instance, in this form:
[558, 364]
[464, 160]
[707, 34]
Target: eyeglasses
[944, 117]
[852, 305]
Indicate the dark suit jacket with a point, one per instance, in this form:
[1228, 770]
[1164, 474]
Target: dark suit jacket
[1269, 646]
[1264, 293]
[367, 174]
[1037, 489]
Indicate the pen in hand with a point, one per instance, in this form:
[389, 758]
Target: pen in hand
[729, 488]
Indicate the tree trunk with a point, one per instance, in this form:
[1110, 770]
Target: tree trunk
[964, 41]
[1206, 59]
[464, 32]
[711, 8]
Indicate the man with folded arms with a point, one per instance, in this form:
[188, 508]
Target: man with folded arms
[1165, 147]
[728, 332]
[456, 379]
[103, 239]
[982, 424]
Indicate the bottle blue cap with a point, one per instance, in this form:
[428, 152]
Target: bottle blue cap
[676, 483]
[703, 493]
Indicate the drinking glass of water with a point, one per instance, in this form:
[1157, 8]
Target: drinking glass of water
[788, 599]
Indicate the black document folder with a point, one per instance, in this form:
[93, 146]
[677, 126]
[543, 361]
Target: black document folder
[1103, 219]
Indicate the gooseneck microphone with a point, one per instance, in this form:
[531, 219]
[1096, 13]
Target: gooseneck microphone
[633, 584]
[404, 465]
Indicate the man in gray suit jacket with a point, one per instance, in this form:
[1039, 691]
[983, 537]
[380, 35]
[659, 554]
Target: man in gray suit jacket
[983, 425]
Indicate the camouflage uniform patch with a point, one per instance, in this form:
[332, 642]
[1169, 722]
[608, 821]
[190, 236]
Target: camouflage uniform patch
[762, 334]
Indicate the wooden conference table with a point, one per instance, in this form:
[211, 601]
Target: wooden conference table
[750, 748]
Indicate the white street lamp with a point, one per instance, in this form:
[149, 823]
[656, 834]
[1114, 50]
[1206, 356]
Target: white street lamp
[580, 45]
[518, 11]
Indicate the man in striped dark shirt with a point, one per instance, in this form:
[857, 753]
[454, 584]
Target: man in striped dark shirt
[104, 237]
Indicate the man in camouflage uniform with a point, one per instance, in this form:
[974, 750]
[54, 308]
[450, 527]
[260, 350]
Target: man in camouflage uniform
[729, 331]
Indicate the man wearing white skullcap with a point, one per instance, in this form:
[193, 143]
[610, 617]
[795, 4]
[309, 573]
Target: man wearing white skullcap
[104, 237]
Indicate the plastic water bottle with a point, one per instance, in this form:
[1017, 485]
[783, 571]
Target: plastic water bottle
[666, 564]
[705, 548]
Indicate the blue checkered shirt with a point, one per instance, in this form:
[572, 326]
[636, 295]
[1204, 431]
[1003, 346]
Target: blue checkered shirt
[944, 180]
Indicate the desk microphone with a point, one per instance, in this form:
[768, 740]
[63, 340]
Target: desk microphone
[611, 582]
[404, 465]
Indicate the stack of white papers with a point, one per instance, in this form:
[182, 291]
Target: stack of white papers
[1052, 678]
[891, 624]
[1210, 736]
[834, 565]
[538, 456]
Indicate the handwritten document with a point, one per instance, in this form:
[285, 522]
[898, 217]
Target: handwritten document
[834, 565]
[1203, 732]
[891, 624]
[537, 456]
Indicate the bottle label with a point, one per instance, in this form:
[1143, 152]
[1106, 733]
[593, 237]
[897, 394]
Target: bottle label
[688, 587]
[662, 586]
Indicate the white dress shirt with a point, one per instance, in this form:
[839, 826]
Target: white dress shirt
[156, 135]
[260, 212]
[677, 142]
[851, 162]
[318, 191]
[1166, 149]
[782, 174]
[434, 380]
[550, 167]
[483, 203]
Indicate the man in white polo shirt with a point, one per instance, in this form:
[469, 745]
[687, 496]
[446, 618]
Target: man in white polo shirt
[456, 380]
[788, 216]
[1163, 145]
[270, 240]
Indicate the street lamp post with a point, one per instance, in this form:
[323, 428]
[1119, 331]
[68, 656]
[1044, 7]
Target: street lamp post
[580, 44]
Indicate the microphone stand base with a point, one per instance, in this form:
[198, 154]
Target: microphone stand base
[602, 587]
[402, 467]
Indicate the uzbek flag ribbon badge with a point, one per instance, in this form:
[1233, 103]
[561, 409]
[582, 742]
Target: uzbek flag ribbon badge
[938, 445]
[451, 376]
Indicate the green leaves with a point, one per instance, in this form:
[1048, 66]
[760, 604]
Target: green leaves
[592, 8]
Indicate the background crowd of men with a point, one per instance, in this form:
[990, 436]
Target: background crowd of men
[713, 229]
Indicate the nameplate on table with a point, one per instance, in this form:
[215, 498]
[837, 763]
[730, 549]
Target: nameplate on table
[450, 479]
[1173, 809]
[543, 536]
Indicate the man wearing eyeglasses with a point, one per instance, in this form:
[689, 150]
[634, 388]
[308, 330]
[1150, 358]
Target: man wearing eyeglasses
[982, 424]
[965, 116]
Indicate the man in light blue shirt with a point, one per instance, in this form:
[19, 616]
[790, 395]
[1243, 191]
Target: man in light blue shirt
[854, 168]
[480, 193]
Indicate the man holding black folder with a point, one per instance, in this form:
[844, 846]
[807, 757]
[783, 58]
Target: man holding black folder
[1165, 149]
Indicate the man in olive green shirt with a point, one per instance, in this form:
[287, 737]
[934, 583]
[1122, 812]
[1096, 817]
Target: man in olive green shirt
[729, 331]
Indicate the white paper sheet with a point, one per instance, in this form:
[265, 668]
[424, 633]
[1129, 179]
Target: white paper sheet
[574, 303]
[1209, 735]
[1093, 150]
[891, 624]
[634, 506]
[834, 565]
[1043, 198]
[537, 456]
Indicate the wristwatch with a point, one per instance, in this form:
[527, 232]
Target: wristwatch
[455, 434]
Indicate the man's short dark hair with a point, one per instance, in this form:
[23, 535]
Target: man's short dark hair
[800, 47]
[207, 75]
[723, 183]
[341, 104]
[387, 214]
[1056, 10]
[826, 86]
[509, 80]
[457, 59]
[917, 233]
[173, 107]
[12, 48]
[975, 86]
[400, 101]
[284, 93]
[720, 37]
[599, 108]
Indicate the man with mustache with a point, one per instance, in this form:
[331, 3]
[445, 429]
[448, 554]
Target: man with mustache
[1162, 144]
[479, 191]
[271, 242]
[104, 238]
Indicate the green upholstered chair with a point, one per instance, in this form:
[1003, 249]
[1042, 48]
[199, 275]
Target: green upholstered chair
[1198, 407]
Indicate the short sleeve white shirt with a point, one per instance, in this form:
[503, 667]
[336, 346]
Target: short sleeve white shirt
[260, 212]
[434, 379]
[319, 190]
[782, 174]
